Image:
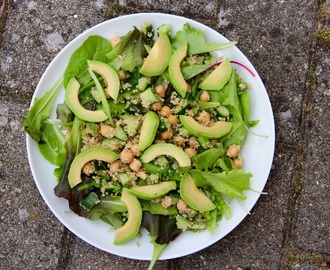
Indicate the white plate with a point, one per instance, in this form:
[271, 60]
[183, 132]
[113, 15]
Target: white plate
[258, 151]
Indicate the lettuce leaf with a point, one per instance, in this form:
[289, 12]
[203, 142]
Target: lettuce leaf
[196, 41]
[205, 160]
[40, 111]
[129, 53]
[93, 48]
[63, 189]
[157, 209]
[109, 210]
[231, 184]
[52, 147]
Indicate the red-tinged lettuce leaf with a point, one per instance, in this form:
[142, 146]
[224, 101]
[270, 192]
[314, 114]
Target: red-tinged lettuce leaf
[63, 189]
[161, 226]
[40, 111]
[196, 41]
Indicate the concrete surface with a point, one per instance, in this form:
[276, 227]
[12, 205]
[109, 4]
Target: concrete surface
[289, 44]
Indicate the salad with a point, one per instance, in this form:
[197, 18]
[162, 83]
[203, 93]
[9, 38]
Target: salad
[149, 133]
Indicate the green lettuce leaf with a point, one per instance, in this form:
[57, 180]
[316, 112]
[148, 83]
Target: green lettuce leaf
[40, 111]
[52, 147]
[109, 210]
[196, 41]
[93, 48]
[157, 209]
[231, 184]
[129, 53]
[205, 160]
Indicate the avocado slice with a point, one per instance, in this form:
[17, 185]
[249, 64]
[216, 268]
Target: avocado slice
[193, 196]
[151, 192]
[218, 77]
[174, 70]
[167, 149]
[110, 76]
[93, 153]
[148, 130]
[132, 226]
[72, 100]
[158, 58]
[217, 130]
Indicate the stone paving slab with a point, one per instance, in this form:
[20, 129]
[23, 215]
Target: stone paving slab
[287, 42]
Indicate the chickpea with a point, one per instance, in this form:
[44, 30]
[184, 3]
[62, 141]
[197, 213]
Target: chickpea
[88, 168]
[190, 152]
[141, 174]
[166, 135]
[173, 119]
[178, 140]
[182, 206]
[204, 117]
[107, 131]
[165, 111]
[238, 162]
[135, 165]
[134, 149]
[167, 201]
[160, 90]
[115, 166]
[114, 41]
[157, 106]
[126, 156]
[233, 150]
[193, 142]
[121, 75]
[205, 96]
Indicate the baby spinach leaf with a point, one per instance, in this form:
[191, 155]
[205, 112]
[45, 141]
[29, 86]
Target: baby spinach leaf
[93, 48]
[40, 111]
[196, 41]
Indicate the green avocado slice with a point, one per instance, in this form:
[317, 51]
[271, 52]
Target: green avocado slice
[93, 153]
[159, 57]
[193, 196]
[218, 77]
[72, 100]
[174, 70]
[132, 226]
[217, 130]
[166, 149]
[110, 76]
[148, 130]
[150, 192]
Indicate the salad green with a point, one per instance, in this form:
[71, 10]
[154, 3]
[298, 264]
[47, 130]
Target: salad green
[165, 155]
